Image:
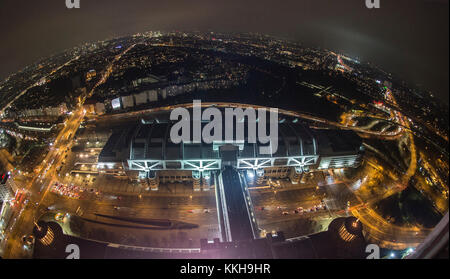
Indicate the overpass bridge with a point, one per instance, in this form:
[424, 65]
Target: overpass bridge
[235, 209]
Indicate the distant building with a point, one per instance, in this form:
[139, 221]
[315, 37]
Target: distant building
[141, 98]
[146, 80]
[152, 95]
[6, 192]
[338, 149]
[127, 101]
[100, 108]
[115, 103]
[48, 111]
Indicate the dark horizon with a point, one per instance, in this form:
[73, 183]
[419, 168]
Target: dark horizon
[406, 38]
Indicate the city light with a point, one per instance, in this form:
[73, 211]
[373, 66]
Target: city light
[349, 169]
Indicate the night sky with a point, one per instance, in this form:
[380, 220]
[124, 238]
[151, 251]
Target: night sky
[409, 38]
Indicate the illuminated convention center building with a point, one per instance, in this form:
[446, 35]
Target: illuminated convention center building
[144, 152]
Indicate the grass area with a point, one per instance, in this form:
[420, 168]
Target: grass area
[409, 208]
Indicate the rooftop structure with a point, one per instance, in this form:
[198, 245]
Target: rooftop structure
[147, 146]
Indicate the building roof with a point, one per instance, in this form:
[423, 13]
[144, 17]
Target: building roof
[337, 142]
[150, 141]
